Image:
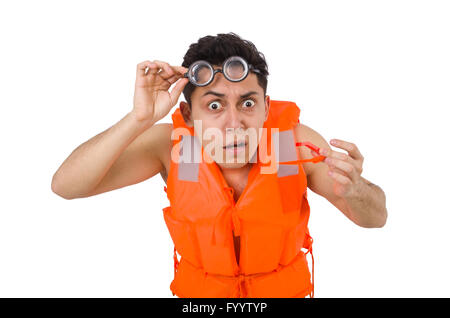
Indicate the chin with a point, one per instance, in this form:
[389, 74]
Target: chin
[231, 165]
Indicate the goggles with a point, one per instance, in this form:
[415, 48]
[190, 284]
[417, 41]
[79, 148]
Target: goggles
[235, 69]
[313, 148]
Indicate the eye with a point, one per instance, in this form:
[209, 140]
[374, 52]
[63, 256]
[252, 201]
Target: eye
[214, 105]
[249, 103]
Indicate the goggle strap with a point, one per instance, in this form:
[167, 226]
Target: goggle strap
[313, 160]
[313, 148]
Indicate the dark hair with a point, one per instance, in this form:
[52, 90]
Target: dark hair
[216, 49]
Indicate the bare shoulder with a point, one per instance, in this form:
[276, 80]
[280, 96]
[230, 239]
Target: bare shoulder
[306, 133]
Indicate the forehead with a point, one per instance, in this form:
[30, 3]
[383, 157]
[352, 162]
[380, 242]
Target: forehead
[229, 89]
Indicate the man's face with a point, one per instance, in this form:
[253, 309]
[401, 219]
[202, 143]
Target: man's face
[229, 113]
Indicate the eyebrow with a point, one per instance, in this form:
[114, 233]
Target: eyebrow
[222, 95]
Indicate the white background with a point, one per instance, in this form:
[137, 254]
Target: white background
[375, 73]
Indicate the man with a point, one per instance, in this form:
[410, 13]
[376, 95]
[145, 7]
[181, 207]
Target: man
[137, 147]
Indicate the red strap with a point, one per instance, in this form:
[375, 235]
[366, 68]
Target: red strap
[165, 190]
[313, 148]
[312, 284]
[310, 146]
[175, 264]
[309, 247]
[175, 261]
[313, 160]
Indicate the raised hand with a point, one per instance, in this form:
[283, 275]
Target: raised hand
[152, 99]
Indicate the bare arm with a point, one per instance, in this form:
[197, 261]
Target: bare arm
[131, 150]
[84, 169]
[366, 207]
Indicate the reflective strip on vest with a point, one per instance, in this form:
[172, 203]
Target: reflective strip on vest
[287, 170]
[284, 144]
[190, 155]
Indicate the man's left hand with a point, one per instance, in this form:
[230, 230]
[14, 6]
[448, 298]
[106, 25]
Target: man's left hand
[345, 169]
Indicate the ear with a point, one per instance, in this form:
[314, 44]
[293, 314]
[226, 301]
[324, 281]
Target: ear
[186, 113]
[266, 107]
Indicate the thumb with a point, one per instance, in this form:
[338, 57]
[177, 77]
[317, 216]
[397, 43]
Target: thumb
[176, 91]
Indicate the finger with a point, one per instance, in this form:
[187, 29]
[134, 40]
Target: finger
[337, 170]
[143, 67]
[167, 71]
[313, 153]
[336, 154]
[173, 79]
[176, 91]
[180, 69]
[347, 168]
[351, 148]
[342, 179]
[328, 152]
[151, 70]
[342, 156]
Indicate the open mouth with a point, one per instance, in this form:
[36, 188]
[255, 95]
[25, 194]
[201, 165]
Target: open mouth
[236, 144]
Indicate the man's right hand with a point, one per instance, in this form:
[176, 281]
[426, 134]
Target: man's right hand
[152, 100]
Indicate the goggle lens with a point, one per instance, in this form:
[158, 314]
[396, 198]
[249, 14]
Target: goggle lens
[234, 69]
[201, 73]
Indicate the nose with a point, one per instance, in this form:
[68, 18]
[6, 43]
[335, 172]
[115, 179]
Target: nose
[234, 120]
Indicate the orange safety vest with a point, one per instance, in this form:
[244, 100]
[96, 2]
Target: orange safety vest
[271, 218]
